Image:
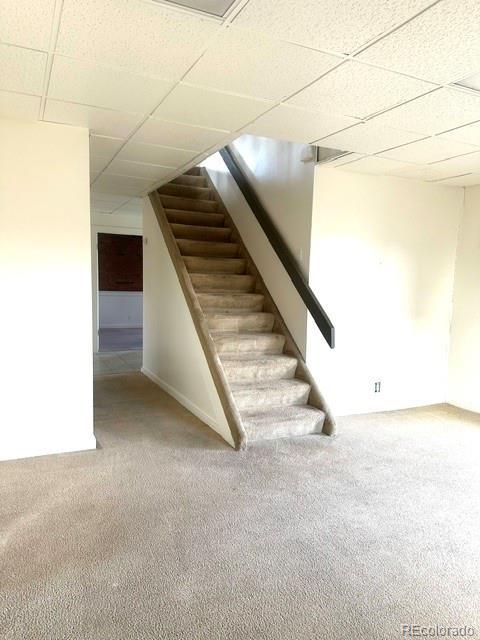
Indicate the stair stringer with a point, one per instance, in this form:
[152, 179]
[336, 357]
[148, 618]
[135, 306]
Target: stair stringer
[215, 367]
[316, 398]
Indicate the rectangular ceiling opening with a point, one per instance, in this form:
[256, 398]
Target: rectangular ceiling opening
[212, 7]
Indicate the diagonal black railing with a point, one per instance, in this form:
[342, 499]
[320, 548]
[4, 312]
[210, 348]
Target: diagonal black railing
[280, 247]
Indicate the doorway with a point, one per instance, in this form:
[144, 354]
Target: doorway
[120, 292]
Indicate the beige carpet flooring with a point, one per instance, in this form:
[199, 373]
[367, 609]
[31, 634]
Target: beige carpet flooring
[167, 533]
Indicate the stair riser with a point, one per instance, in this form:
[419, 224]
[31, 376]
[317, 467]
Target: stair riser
[241, 324]
[257, 371]
[194, 171]
[191, 181]
[215, 265]
[231, 303]
[204, 234]
[269, 344]
[196, 218]
[172, 202]
[294, 428]
[185, 191]
[213, 249]
[229, 282]
[258, 400]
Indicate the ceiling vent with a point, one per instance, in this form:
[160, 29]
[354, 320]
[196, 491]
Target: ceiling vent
[323, 155]
[218, 8]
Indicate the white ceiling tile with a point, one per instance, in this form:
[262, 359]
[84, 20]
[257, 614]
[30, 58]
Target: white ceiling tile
[469, 134]
[98, 164]
[329, 25]
[21, 70]
[429, 150]
[180, 136]
[121, 185]
[435, 112]
[102, 122]
[368, 138]
[470, 180]
[422, 172]
[359, 90]
[137, 169]
[26, 23]
[204, 108]
[19, 106]
[372, 164]
[456, 166]
[83, 82]
[441, 44]
[140, 36]
[297, 125]
[154, 154]
[247, 63]
[104, 147]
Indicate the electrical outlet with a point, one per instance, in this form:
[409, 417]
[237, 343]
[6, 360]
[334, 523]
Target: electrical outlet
[378, 387]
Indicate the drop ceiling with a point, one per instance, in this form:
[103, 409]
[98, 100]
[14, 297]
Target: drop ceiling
[162, 86]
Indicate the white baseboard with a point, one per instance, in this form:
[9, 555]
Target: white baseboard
[188, 404]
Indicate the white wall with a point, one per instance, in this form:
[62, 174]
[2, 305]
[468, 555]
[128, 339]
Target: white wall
[120, 309]
[464, 390]
[47, 371]
[284, 184]
[123, 224]
[382, 264]
[173, 356]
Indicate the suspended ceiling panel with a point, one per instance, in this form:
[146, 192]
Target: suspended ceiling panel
[161, 86]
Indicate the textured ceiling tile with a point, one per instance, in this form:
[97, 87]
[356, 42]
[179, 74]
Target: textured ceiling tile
[204, 108]
[153, 154]
[359, 90]
[438, 111]
[103, 122]
[98, 164]
[469, 134]
[441, 44]
[133, 207]
[137, 169]
[372, 164]
[460, 165]
[246, 63]
[104, 147]
[429, 150]
[19, 106]
[21, 69]
[180, 136]
[121, 185]
[83, 82]
[26, 22]
[143, 37]
[106, 202]
[330, 25]
[368, 138]
[422, 172]
[297, 125]
[470, 180]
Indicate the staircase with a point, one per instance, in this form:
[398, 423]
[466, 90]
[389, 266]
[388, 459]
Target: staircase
[260, 375]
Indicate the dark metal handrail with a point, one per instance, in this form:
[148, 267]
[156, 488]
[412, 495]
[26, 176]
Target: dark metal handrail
[281, 249]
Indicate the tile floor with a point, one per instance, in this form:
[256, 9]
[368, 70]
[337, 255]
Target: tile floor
[116, 362]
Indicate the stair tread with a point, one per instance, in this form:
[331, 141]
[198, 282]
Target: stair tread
[221, 313]
[244, 335]
[263, 357]
[194, 201]
[198, 228]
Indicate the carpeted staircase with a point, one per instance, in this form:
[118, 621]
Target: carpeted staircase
[268, 381]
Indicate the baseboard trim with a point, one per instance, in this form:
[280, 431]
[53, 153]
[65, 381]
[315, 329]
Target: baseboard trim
[121, 326]
[184, 401]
